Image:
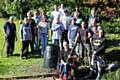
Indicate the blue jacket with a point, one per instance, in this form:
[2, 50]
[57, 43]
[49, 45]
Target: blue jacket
[57, 30]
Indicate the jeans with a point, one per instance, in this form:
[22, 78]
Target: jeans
[80, 48]
[71, 44]
[44, 40]
[64, 69]
[24, 50]
[10, 46]
[32, 43]
[99, 61]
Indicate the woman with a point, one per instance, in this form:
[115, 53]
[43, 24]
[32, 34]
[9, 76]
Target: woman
[26, 37]
[43, 26]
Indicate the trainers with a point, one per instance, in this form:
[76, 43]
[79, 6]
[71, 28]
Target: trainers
[21, 58]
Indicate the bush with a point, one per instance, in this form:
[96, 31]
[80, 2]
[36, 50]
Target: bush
[111, 27]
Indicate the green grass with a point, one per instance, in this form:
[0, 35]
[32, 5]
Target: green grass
[13, 66]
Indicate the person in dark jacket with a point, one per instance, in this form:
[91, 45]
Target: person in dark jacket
[33, 30]
[10, 35]
[98, 43]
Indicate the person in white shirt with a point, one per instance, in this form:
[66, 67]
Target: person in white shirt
[55, 13]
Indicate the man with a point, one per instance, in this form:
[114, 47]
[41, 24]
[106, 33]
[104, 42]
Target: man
[37, 18]
[98, 43]
[72, 32]
[62, 8]
[54, 14]
[93, 18]
[33, 29]
[65, 20]
[10, 35]
[83, 38]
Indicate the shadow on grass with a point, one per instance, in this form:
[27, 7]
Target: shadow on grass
[16, 54]
[113, 43]
[112, 56]
[36, 54]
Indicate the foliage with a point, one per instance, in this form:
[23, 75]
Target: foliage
[111, 27]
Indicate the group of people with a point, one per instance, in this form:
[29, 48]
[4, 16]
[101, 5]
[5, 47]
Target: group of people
[72, 33]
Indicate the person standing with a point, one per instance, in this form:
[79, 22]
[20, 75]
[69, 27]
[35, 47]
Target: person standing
[26, 37]
[72, 33]
[54, 14]
[43, 26]
[33, 30]
[78, 15]
[62, 8]
[65, 20]
[37, 20]
[57, 29]
[83, 35]
[10, 35]
[93, 19]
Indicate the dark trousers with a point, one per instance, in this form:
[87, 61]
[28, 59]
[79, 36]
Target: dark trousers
[64, 36]
[32, 43]
[10, 46]
[24, 50]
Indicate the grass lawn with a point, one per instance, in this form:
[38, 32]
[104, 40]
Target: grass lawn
[13, 66]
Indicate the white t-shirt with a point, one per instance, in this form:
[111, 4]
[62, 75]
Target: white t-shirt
[55, 14]
[66, 21]
[62, 10]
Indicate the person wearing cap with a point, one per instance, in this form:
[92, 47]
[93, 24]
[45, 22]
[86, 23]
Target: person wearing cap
[10, 35]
